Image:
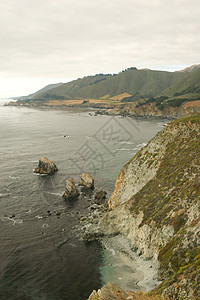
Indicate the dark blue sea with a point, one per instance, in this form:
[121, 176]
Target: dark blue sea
[42, 256]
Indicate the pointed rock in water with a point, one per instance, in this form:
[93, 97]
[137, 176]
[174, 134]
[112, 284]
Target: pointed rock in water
[87, 181]
[46, 166]
[71, 191]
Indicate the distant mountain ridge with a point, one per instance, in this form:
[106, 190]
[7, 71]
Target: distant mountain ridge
[190, 69]
[43, 90]
[131, 91]
[147, 83]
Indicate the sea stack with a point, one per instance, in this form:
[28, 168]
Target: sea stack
[71, 191]
[87, 181]
[46, 166]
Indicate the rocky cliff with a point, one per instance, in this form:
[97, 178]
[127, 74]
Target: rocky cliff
[112, 292]
[156, 205]
[151, 110]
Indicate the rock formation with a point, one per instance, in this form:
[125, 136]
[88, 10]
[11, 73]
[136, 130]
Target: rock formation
[46, 166]
[100, 194]
[71, 191]
[87, 181]
[109, 291]
[151, 110]
[156, 205]
[113, 292]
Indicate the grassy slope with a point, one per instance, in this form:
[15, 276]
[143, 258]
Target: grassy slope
[144, 86]
[167, 199]
[147, 82]
[184, 84]
[69, 90]
[172, 197]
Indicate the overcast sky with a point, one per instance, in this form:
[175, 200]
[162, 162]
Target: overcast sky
[53, 41]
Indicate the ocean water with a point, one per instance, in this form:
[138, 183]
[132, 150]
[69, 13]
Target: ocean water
[42, 256]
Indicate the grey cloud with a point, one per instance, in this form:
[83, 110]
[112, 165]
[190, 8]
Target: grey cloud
[71, 38]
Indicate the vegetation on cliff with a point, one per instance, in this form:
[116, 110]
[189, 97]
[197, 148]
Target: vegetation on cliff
[163, 215]
[173, 197]
[111, 292]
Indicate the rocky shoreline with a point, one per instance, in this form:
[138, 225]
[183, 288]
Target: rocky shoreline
[122, 265]
[156, 206]
[152, 217]
[125, 110]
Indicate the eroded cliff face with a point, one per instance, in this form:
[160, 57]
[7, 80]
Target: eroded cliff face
[113, 292]
[156, 205]
[139, 170]
[150, 110]
[145, 240]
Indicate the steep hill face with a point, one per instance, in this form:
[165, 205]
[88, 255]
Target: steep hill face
[41, 91]
[174, 109]
[145, 82]
[188, 84]
[191, 68]
[73, 89]
[156, 205]
[143, 93]
[181, 98]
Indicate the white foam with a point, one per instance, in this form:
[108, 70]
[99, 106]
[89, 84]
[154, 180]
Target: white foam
[45, 225]
[38, 174]
[126, 142]
[123, 149]
[18, 221]
[14, 221]
[141, 145]
[13, 177]
[39, 217]
[2, 195]
[56, 194]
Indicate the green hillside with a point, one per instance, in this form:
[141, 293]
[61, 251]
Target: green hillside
[71, 89]
[131, 91]
[180, 91]
[190, 83]
[146, 82]
[156, 206]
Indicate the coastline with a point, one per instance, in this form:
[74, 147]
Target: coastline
[98, 111]
[123, 267]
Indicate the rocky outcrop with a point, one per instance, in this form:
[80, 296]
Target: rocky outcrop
[138, 171]
[71, 191]
[100, 195]
[151, 110]
[156, 205]
[86, 181]
[113, 292]
[146, 240]
[46, 166]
